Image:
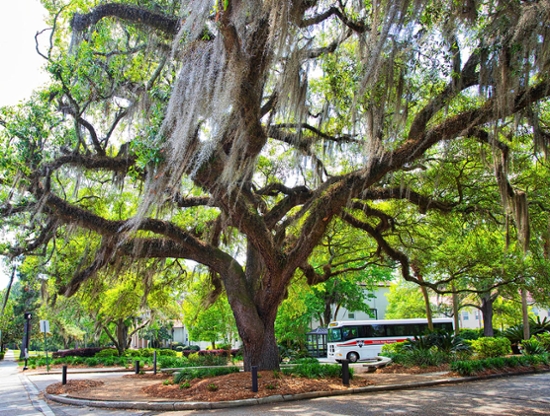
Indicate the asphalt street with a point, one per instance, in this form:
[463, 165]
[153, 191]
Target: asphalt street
[511, 395]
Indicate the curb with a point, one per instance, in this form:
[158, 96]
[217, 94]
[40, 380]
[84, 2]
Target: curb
[180, 405]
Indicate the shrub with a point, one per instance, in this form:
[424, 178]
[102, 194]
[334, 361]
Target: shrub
[514, 334]
[77, 352]
[226, 347]
[537, 326]
[448, 342]
[210, 359]
[172, 362]
[544, 339]
[191, 348]
[394, 348]
[192, 373]
[472, 367]
[92, 361]
[175, 344]
[310, 369]
[532, 346]
[468, 368]
[166, 353]
[470, 334]
[142, 352]
[421, 358]
[487, 347]
[107, 352]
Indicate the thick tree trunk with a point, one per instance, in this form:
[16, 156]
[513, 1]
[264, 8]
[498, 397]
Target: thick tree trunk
[263, 352]
[487, 312]
[122, 336]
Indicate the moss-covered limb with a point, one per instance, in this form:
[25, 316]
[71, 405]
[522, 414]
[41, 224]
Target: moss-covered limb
[423, 202]
[457, 126]
[129, 13]
[113, 164]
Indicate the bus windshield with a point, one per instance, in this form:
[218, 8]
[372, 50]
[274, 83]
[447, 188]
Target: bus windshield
[334, 335]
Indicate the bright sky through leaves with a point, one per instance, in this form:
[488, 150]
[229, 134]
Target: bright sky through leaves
[20, 71]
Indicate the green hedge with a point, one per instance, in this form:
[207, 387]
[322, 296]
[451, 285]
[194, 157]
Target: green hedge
[472, 367]
[192, 373]
[488, 347]
[311, 368]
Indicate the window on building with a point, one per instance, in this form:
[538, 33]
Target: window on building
[351, 315]
[465, 316]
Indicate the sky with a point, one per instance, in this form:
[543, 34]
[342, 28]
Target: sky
[20, 71]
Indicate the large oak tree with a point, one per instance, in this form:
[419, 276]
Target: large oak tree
[250, 126]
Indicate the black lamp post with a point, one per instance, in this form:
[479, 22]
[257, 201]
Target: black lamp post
[26, 336]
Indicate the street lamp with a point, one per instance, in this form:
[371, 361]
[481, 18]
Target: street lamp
[26, 337]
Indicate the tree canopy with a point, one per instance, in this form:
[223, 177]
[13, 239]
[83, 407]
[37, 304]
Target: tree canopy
[236, 134]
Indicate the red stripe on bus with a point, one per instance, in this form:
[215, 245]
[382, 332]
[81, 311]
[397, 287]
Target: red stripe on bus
[371, 342]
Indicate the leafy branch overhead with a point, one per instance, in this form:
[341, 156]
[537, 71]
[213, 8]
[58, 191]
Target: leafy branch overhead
[239, 134]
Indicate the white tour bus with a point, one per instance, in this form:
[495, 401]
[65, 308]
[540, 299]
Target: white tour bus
[362, 340]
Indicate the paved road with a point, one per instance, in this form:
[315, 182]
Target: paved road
[516, 395]
[18, 396]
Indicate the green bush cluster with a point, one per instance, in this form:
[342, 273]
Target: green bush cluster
[2, 353]
[311, 368]
[193, 373]
[537, 344]
[473, 367]
[193, 360]
[488, 347]
[107, 352]
[432, 349]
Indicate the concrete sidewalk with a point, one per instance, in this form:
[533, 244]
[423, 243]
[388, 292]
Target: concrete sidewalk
[19, 396]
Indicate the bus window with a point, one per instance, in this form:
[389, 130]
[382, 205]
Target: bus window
[334, 335]
[378, 330]
[349, 332]
[396, 330]
[444, 326]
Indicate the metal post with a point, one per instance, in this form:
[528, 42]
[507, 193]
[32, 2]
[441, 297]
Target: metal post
[254, 378]
[345, 372]
[154, 362]
[136, 367]
[26, 336]
[64, 375]
[46, 351]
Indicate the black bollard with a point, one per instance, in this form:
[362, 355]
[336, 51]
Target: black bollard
[154, 362]
[254, 378]
[64, 375]
[136, 367]
[345, 372]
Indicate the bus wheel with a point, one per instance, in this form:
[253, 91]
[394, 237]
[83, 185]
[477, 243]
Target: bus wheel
[353, 357]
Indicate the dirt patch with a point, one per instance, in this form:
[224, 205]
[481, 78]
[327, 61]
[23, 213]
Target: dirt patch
[235, 386]
[222, 388]
[239, 386]
[73, 386]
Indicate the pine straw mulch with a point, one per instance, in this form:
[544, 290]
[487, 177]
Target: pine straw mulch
[234, 386]
[149, 387]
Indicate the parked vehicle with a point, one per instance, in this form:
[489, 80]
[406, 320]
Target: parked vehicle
[363, 340]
